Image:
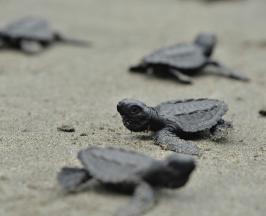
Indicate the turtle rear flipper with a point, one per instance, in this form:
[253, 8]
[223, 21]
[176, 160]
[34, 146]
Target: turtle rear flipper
[71, 178]
[143, 200]
[139, 68]
[221, 130]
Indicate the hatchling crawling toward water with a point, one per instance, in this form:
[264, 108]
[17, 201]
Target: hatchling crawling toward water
[184, 60]
[173, 120]
[128, 171]
[32, 35]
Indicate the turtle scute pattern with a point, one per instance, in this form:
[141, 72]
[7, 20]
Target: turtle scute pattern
[112, 165]
[30, 28]
[193, 115]
[179, 56]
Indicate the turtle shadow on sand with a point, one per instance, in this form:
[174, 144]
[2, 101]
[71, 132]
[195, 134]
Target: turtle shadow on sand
[142, 137]
[220, 1]
[149, 136]
[215, 1]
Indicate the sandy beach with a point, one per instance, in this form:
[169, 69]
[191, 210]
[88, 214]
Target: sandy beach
[81, 87]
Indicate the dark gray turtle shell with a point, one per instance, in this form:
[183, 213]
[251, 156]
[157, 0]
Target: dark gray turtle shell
[180, 56]
[112, 165]
[192, 115]
[29, 28]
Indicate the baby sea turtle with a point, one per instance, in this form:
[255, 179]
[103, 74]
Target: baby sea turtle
[184, 60]
[129, 171]
[32, 35]
[173, 120]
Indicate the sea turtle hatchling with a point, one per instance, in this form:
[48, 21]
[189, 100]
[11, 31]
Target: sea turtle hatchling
[32, 35]
[129, 171]
[173, 120]
[184, 60]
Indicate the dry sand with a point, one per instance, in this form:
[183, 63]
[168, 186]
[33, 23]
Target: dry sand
[82, 86]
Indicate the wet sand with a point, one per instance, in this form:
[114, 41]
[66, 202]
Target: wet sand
[81, 86]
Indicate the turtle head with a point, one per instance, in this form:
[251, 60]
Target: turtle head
[174, 172]
[207, 42]
[135, 114]
[180, 166]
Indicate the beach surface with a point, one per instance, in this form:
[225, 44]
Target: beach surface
[81, 87]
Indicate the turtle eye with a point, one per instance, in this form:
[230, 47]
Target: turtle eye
[135, 109]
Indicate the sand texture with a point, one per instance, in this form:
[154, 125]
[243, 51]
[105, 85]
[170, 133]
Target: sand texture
[81, 87]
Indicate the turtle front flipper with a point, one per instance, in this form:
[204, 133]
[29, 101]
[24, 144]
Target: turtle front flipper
[227, 72]
[71, 178]
[168, 140]
[143, 200]
[30, 47]
[58, 37]
[182, 78]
